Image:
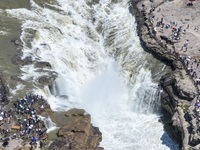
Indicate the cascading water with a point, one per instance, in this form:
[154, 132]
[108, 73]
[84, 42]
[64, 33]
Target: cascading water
[94, 48]
[49, 124]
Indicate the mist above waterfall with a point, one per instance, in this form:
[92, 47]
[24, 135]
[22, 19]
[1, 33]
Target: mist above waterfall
[105, 92]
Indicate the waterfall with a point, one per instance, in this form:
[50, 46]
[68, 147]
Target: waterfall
[94, 48]
[48, 124]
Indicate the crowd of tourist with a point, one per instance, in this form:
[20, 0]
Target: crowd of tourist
[22, 121]
[197, 108]
[191, 64]
[173, 26]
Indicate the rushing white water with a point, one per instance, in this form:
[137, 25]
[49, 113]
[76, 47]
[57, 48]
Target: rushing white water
[17, 88]
[94, 48]
[49, 124]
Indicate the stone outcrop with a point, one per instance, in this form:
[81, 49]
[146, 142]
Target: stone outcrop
[147, 36]
[185, 88]
[4, 92]
[48, 79]
[78, 133]
[178, 103]
[42, 65]
[17, 42]
[75, 112]
[17, 60]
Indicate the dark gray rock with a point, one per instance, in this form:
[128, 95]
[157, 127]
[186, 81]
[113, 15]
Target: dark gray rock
[42, 65]
[16, 78]
[177, 64]
[18, 61]
[195, 138]
[17, 42]
[47, 80]
[4, 92]
[29, 36]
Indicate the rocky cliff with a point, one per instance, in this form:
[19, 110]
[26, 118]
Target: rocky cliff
[78, 133]
[179, 88]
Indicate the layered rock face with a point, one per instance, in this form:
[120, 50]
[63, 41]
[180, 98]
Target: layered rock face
[179, 87]
[78, 133]
[177, 101]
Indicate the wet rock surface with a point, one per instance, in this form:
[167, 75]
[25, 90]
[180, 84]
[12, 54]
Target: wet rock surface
[17, 42]
[4, 92]
[17, 60]
[47, 80]
[43, 65]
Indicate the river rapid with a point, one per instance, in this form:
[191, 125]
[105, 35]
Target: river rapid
[101, 67]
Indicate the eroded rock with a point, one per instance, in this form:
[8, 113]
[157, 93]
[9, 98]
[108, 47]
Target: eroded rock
[78, 133]
[177, 64]
[17, 42]
[75, 112]
[185, 88]
[42, 65]
[59, 145]
[18, 61]
[47, 79]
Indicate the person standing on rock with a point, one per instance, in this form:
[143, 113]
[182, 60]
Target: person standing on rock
[42, 107]
[186, 43]
[161, 20]
[184, 31]
[155, 30]
[194, 74]
[179, 29]
[196, 58]
[191, 69]
[188, 70]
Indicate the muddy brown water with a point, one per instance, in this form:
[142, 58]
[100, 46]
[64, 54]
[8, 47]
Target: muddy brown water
[10, 29]
[13, 4]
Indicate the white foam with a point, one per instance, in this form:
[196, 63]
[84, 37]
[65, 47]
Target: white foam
[17, 88]
[49, 124]
[124, 122]
[101, 67]
[3, 33]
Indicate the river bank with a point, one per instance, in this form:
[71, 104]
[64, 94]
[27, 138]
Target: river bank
[173, 38]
